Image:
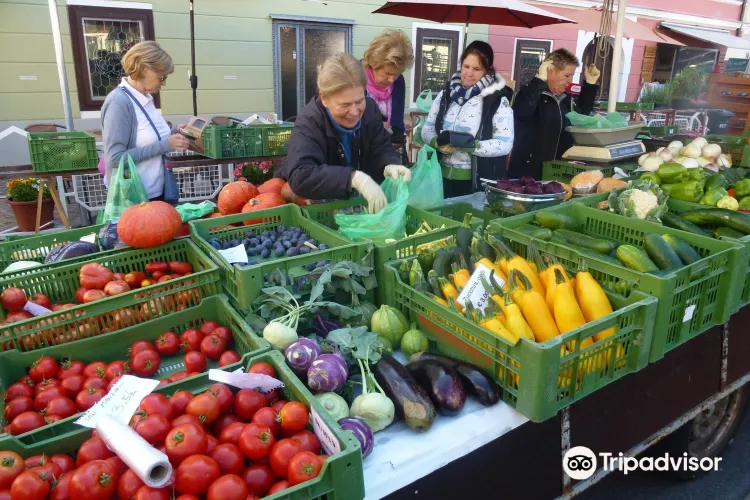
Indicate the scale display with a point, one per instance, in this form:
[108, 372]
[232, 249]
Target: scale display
[605, 154]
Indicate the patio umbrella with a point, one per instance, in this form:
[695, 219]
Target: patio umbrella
[494, 12]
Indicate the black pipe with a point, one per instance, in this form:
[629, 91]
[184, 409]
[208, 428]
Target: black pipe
[193, 76]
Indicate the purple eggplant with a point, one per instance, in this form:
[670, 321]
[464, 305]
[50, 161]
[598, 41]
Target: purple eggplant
[442, 384]
[301, 353]
[361, 431]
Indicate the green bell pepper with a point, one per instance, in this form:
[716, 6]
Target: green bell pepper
[716, 180]
[695, 174]
[745, 203]
[686, 191]
[729, 203]
[742, 188]
[667, 188]
[651, 176]
[702, 184]
[713, 196]
[671, 173]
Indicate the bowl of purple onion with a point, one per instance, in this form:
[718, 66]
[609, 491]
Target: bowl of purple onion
[520, 196]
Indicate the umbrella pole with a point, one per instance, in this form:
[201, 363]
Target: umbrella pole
[60, 57]
[466, 26]
[614, 80]
[193, 76]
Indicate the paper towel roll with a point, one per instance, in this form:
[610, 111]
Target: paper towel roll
[148, 463]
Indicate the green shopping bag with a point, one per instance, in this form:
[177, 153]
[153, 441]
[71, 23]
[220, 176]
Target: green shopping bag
[389, 223]
[424, 103]
[426, 186]
[125, 189]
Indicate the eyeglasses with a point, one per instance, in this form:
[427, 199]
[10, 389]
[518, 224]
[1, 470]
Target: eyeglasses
[163, 78]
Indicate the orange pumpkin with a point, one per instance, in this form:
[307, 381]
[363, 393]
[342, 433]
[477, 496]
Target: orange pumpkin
[274, 185]
[234, 195]
[291, 197]
[148, 224]
[262, 202]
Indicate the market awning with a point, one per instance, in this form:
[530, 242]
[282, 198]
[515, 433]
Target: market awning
[709, 35]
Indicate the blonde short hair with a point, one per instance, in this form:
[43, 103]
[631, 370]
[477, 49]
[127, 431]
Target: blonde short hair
[146, 55]
[389, 47]
[563, 57]
[338, 72]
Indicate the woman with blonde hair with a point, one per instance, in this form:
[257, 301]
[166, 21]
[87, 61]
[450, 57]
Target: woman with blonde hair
[338, 142]
[130, 122]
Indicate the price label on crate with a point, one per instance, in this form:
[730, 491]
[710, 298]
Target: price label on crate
[236, 254]
[475, 292]
[328, 439]
[121, 402]
[689, 312]
[35, 309]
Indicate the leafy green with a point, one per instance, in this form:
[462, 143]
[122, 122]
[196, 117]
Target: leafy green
[734, 174]
[358, 343]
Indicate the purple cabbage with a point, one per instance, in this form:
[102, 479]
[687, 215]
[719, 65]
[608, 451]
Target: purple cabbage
[361, 431]
[300, 354]
[322, 326]
[553, 187]
[327, 373]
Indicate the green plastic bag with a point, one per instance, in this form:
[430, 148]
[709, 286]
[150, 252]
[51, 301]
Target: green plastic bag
[190, 211]
[125, 189]
[426, 187]
[611, 120]
[389, 223]
[424, 103]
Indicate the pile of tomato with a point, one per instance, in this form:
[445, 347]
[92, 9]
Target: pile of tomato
[222, 446]
[52, 391]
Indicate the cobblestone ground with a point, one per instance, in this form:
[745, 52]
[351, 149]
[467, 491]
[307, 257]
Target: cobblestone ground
[8, 221]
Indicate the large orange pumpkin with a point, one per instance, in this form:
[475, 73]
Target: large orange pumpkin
[291, 197]
[272, 186]
[149, 224]
[262, 202]
[234, 195]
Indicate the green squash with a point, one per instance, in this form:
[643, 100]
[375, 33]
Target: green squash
[389, 323]
[414, 341]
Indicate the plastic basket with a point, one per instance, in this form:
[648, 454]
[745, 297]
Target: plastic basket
[385, 252]
[62, 151]
[60, 282]
[563, 171]
[114, 346]
[232, 141]
[341, 477]
[456, 212]
[692, 299]
[537, 378]
[244, 284]
[275, 138]
[36, 247]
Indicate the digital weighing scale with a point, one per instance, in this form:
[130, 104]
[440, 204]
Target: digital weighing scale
[606, 154]
[193, 132]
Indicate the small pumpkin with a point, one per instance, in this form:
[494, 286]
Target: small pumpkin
[234, 195]
[149, 224]
[291, 197]
[389, 323]
[274, 185]
[262, 202]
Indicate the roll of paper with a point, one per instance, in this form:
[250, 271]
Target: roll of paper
[148, 463]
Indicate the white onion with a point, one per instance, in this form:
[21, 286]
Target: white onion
[711, 151]
[701, 142]
[703, 161]
[675, 144]
[690, 163]
[660, 150]
[652, 163]
[666, 155]
[642, 158]
[724, 161]
[692, 151]
[711, 167]
[675, 151]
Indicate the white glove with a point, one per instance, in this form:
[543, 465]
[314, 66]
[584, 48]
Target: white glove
[396, 170]
[370, 190]
[591, 74]
[543, 69]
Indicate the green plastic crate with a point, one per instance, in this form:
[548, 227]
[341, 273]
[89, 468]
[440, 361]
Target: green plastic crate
[563, 171]
[325, 213]
[456, 212]
[705, 287]
[59, 282]
[244, 284]
[275, 138]
[341, 478]
[660, 130]
[62, 151]
[113, 346]
[537, 377]
[232, 141]
[628, 106]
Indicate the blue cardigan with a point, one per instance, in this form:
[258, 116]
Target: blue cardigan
[398, 104]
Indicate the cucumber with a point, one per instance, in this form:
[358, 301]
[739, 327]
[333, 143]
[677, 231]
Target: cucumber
[675, 221]
[660, 252]
[585, 241]
[554, 220]
[540, 233]
[719, 217]
[635, 258]
[687, 254]
[727, 233]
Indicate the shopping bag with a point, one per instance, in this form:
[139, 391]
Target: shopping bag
[426, 186]
[171, 189]
[389, 223]
[424, 103]
[125, 189]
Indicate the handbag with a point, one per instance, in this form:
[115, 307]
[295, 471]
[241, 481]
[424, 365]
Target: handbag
[171, 192]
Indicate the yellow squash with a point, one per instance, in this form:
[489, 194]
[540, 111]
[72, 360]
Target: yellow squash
[516, 322]
[534, 309]
[567, 312]
[592, 299]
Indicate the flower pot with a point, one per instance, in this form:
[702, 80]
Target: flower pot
[682, 103]
[25, 212]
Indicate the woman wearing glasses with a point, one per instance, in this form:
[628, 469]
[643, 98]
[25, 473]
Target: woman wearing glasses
[130, 122]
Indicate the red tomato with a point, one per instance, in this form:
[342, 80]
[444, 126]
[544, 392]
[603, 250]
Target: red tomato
[113, 382]
[196, 473]
[302, 467]
[95, 383]
[48, 472]
[168, 343]
[228, 487]
[70, 367]
[308, 440]
[213, 347]
[93, 449]
[263, 368]
[266, 416]
[195, 362]
[180, 267]
[134, 279]
[247, 402]
[119, 466]
[205, 407]
[146, 363]
[140, 346]
[26, 379]
[94, 275]
[256, 441]
[229, 457]
[93, 295]
[36, 461]
[127, 485]
[17, 316]
[228, 358]
[223, 422]
[281, 454]
[148, 493]
[51, 419]
[47, 385]
[26, 421]
[61, 491]
[208, 327]
[294, 417]
[259, 479]
[16, 406]
[231, 433]
[166, 277]
[95, 369]
[157, 276]
[95, 480]
[225, 333]
[88, 398]
[116, 287]
[62, 407]
[19, 389]
[157, 404]
[280, 486]
[153, 267]
[190, 340]
[272, 397]
[184, 441]
[13, 299]
[41, 299]
[116, 368]
[187, 497]
[186, 419]
[44, 368]
[29, 486]
[80, 294]
[212, 444]
[224, 395]
[65, 462]
[180, 400]
[154, 428]
[178, 376]
[118, 276]
[11, 465]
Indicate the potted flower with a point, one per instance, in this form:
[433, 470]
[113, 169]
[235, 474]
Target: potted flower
[689, 84]
[22, 198]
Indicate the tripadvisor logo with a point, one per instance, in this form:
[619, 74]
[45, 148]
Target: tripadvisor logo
[580, 463]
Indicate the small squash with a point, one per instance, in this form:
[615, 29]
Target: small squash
[148, 224]
[291, 197]
[608, 184]
[274, 185]
[262, 202]
[234, 196]
[586, 182]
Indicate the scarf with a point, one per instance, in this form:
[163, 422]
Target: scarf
[381, 95]
[347, 135]
[460, 94]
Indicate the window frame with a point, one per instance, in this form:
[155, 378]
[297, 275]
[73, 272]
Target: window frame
[517, 54]
[76, 14]
[420, 31]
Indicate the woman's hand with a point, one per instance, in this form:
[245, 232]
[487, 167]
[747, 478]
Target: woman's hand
[592, 74]
[395, 170]
[370, 190]
[447, 149]
[543, 72]
[179, 142]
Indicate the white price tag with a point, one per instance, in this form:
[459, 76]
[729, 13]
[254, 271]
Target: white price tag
[235, 254]
[254, 381]
[689, 311]
[89, 238]
[121, 402]
[327, 438]
[35, 309]
[475, 292]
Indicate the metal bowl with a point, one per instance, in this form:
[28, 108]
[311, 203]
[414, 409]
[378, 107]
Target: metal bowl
[502, 202]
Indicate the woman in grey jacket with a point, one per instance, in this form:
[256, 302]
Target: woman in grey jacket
[130, 122]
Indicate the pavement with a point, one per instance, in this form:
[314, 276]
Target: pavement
[8, 220]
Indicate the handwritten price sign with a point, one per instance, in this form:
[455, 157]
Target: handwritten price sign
[121, 402]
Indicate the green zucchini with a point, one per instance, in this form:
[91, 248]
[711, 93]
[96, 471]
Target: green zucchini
[675, 221]
[719, 217]
[485, 249]
[541, 233]
[687, 254]
[660, 252]
[585, 241]
[442, 263]
[554, 220]
[635, 258]
[727, 233]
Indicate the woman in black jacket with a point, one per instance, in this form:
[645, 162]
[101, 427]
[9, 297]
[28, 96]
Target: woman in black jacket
[338, 142]
[539, 111]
